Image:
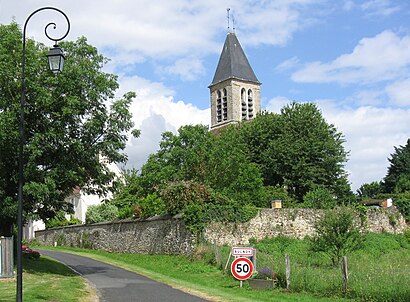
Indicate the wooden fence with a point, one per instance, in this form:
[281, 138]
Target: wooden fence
[6, 257]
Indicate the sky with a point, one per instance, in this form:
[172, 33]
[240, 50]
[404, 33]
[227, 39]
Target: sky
[351, 58]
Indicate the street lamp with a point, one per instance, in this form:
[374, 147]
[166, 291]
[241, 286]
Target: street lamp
[56, 62]
[56, 59]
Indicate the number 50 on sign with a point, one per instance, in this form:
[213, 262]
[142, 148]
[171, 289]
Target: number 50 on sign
[242, 268]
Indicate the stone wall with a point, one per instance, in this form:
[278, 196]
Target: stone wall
[163, 235]
[170, 236]
[296, 223]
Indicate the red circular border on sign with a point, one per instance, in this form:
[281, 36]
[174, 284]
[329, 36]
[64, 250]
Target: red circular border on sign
[248, 261]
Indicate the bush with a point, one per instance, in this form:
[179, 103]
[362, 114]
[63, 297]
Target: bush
[336, 234]
[319, 198]
[152, 205]
[60, 220]
[279, 193]
[177, 195]
[406, 235]
[100, 213]
[197, 216]
[402, 202]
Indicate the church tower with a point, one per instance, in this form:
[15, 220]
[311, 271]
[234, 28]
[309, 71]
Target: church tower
[235, 90]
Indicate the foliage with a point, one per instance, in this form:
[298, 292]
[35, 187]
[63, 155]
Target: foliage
[399, 170]
[319, 198]
[152, 205]
[231, 173]
[280, 193]
[406, 234]
[181, 156]
[177, 195]
[402, 202]
[336, 234]
[383, 259]
[100, 213]
[60, 220]
[297, 149]
[72, 121]
[376, 277]
[370, 190]
[126, 196]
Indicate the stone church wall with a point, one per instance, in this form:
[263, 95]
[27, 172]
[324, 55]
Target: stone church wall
[170, 236]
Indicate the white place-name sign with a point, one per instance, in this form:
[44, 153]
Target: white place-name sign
[242, 251]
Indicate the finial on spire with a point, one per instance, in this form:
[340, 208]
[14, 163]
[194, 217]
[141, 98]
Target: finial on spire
[227, 11]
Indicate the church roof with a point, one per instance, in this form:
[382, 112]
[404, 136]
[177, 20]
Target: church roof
[233, 63]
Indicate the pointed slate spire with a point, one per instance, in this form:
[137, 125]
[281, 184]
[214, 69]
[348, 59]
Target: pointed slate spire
[233, 63]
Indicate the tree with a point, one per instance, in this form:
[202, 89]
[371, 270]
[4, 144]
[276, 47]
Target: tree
[336, 234]
[73, 124]
[319, 198]
[398, 174]
[298, 149]
[101, 213]
[370, 190]
[195, 154]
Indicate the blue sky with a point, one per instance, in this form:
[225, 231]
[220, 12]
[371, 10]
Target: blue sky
[352, 58]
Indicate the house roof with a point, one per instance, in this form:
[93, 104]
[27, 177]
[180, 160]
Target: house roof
[233, 63]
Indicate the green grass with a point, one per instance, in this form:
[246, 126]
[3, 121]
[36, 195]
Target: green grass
[46, 280]
[380, 271]
[195, 276]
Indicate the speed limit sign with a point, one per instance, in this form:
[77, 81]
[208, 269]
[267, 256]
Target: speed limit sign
[242, 268]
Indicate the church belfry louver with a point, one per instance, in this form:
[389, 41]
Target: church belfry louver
[235, 90]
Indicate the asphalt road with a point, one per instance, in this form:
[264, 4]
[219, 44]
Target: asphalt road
[115, 284]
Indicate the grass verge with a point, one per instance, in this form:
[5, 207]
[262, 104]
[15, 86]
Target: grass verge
[196, 277]
[47, 280]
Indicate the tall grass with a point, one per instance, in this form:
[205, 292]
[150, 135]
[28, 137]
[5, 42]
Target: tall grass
[380, 271]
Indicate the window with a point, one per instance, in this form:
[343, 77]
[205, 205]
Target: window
[218, 107]
[225, 105]
[250, 104]
[244, 105]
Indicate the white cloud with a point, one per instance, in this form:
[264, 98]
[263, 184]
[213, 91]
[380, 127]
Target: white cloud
[373, 8]
[348, 5]
[167, 29]
[399, 92]
[371, 134]
[155, 111]
[287, 64]
[380, 58]
[140, 148]
[188, 69]
[379, 7]
[154, 98]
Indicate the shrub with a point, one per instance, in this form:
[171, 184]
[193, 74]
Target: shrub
[177, 195]
[151, 205]
[60, 220]
[125, 212]
[402, 202]
[336, 234]
[406, 234]
[319, 198]
[196, 216]
[100, 213]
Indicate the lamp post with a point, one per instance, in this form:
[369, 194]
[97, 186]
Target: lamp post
[56, 62]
